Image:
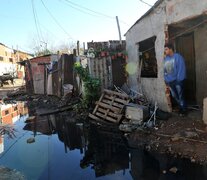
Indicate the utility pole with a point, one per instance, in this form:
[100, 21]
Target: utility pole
[78, 48]
[84, 47]
[17, 54]
[117, 20]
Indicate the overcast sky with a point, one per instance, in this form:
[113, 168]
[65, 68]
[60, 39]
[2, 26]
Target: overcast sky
[26, 22]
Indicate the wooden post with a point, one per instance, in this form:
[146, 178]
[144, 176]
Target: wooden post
[117, 20]
[84, 48]
[78, 46]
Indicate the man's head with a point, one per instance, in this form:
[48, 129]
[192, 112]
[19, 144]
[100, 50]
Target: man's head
[169, 49]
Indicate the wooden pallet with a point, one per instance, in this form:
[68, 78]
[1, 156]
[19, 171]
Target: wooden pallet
[110, 106]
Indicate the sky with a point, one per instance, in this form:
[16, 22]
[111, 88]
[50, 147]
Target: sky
[29, 23]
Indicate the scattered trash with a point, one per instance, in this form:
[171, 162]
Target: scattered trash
[8, 130]
[173, 170]
[136, 113]
[125, 127]
[7, 173]
[30, 119]
[30, 140]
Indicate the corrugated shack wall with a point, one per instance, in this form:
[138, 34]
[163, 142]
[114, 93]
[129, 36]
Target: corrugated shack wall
[47, 74]
[119, 71]
[55, 80]
[38, 73]
[28, 77]
[101, 68]
[62, 74]
[66, 71]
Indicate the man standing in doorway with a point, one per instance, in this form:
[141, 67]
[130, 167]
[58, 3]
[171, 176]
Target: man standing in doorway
[174, 75]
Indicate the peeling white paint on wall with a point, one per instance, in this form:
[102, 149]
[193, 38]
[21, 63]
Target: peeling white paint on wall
[153, 24]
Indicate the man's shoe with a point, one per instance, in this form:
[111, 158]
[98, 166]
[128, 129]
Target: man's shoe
[183, 113]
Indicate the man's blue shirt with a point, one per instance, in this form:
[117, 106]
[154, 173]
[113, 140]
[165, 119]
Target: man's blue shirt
[174, 68]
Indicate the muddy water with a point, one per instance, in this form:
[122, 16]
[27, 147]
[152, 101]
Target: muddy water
[57, 147]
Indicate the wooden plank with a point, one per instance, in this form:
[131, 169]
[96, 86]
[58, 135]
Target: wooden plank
[116, 93]
[102, 110]
[109, 64]
[116, 99]
[108, 107]
[100, 99]
[93, 116]
[109, 113]
[101, 73]
[112, 103]
[105, 74]
[107, 118]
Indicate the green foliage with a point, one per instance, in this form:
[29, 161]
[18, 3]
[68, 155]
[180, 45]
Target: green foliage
[91, 86]
[79, 107]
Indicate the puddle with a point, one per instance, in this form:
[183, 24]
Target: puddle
[57, 147]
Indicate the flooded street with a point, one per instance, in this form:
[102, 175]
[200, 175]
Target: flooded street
[59, 147]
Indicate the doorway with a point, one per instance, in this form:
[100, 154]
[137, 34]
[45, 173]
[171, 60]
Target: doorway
[185, 46]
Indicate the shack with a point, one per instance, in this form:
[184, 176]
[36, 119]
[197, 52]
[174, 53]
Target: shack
[107, 61]
[49, 74]
[183, 23]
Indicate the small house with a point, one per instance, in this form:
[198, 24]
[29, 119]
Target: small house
[181, 22]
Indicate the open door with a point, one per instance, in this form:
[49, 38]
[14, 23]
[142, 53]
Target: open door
[185, 46]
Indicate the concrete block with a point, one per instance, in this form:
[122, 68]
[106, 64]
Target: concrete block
[205, 111]
[136, 113]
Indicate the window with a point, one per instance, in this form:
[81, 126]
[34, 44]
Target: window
[10, 60]
[147, 56]
[5, 53]
[6, 112]
[1, 58]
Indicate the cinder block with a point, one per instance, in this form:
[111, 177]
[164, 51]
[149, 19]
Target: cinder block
[136, 113]
[205, 111]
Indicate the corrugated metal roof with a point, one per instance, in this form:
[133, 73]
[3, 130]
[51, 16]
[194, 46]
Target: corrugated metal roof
[42, 56]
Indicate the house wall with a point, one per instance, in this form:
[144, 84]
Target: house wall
[179, 10]
[200, 38]
[6, 54]
[153, 24]
[9, 59]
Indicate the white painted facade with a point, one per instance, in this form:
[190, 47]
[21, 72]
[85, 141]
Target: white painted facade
[155, 23]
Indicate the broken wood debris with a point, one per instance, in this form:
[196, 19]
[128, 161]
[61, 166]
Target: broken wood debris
[110, 106]
[8, 130]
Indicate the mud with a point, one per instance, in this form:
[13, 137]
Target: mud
[184, 137]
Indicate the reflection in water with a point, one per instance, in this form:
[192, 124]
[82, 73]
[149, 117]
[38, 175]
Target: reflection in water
[102, 152]
[9, 114]
[106, 151]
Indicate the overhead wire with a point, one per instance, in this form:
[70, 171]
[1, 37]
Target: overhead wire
[95, 13]
[56, 21]
[78, 9]
[144, 2]
[38, 23]
[35, 20]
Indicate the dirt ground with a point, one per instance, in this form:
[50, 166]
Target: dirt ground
[179, 136]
